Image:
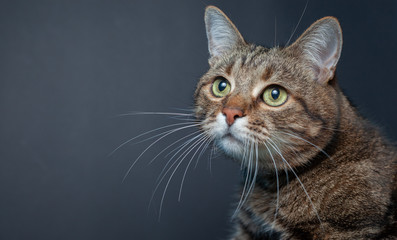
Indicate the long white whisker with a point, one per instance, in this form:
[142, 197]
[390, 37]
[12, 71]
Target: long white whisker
[203, 150]
[145, 133]
[159, 181]
[244, 153]
[179, 149]
[284, 165]
[300, 182]
[154, 113]
[192, 109]
[296, 27]
[247, 177]
[184, 118]
[277, 180]
[203, 141]
[173, 172]
[210, 158]
[314, 145]
[164, 172]
[275, 31]
[250, 163]
[136, 160]
[151, 161]
[182, 145]
[157, 135]
[253, 180]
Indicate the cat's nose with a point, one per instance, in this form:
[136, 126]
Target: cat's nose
[232, 114]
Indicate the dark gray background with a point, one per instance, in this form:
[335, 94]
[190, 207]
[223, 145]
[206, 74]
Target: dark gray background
[67, 68]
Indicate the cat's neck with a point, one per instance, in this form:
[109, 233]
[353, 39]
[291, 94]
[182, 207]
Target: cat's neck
[356, 136]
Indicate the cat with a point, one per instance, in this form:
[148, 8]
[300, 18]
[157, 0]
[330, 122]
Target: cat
[312, 166]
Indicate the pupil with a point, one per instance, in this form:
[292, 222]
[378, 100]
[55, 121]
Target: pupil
[222, 85]
[275, 93]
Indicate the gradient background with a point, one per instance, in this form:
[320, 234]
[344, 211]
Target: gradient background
[68, 68]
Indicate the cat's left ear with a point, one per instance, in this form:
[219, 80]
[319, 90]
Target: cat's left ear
[320, 45]
[222, 35]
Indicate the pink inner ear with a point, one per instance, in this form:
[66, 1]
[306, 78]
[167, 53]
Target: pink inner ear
[329, 54]
[321, 45]
[329, 58]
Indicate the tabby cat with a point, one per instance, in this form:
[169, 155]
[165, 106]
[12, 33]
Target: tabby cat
[312, 166]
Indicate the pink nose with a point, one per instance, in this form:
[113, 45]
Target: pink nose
[232, 114]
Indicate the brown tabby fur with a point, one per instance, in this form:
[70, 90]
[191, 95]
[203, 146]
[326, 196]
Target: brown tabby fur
[352, 185]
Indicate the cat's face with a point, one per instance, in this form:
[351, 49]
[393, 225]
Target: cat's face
[281, 102]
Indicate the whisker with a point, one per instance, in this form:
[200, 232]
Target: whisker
[178, 150]
[203, 141]
[169, 169]
[277, 181]
[157, 135]
[143, 134]
[210, 158]
[154, 113]
[314, 145]
[286, 144]
[184, 118]
[185, 109]
[253, 180]
[251, 169]
[275, 31]
[173, 172]
[151, 161]
[300, 182]
[296, 27]
[136, 160]
[248, 175]
[284, 165]
[164, 171]
[244, 153]
[203, 150]
[182, 145]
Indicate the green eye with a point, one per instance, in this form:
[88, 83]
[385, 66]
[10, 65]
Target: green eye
[275, 96]
[221, 87]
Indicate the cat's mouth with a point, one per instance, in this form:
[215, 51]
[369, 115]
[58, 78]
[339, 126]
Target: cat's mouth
[230, 137]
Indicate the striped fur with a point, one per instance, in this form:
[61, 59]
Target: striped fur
[313, 168]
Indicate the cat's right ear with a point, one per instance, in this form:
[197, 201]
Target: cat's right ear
[320, 45]
[222, 35]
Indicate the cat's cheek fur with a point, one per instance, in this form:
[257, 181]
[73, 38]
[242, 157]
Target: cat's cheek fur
[218, 128]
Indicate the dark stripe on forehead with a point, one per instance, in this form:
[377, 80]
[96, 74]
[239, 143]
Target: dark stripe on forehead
[229, 68]
[267, 74]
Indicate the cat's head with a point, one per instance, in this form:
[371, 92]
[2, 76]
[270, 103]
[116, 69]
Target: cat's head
[281, 101]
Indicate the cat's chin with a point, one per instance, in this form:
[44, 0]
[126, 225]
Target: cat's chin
[231, 145]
